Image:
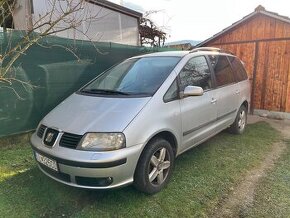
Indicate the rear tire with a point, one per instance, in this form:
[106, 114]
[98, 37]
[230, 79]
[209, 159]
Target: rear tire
[239, 125]
[155, 166]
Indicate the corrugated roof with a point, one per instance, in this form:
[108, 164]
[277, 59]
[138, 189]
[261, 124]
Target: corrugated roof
[260, 10]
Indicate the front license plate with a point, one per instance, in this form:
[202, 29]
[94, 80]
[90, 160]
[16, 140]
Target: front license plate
[46, 161]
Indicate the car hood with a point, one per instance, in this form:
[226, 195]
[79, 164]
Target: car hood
[79, 114]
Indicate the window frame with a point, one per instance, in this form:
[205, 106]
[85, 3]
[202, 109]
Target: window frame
[213, 72]
[177, 79]
[235, 73]
[209, 67]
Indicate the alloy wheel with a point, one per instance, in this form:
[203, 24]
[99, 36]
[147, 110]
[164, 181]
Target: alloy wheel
[159, 166]
[242, 120]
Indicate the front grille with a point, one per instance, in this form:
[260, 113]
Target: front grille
[50, 137]
[40, 131]
[69, 140]
[59, 175]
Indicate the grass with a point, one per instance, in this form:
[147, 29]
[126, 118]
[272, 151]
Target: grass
[202, 177]
[273, 194]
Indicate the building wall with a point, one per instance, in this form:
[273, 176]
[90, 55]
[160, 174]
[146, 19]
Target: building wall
[21, 15]
[258, 28]
[105, 25]
[263, 43]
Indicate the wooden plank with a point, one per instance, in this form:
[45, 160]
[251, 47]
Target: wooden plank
[284, 77]
[279, 74]
[272, 28]
[254, 76]
[267, 29]
[268, 88]
[279, 29]
[262, 26]
[260, 71]
[287, 66]
[287, 30]
[257, 29]
[246, 53]
[274, 104]
[249, 33]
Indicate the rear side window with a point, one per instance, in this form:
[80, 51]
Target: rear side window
[195, 73]
[238, 68]
[223, 71]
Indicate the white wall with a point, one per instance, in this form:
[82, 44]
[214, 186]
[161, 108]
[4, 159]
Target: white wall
[21, 15]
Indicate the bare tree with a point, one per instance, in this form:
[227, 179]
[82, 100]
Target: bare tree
[6, 7]
[150, 34]
[60, 16]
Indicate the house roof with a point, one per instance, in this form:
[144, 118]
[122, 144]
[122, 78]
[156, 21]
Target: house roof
[260, 10]
[116, 7]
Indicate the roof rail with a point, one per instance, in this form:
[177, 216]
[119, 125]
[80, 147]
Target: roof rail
[205, 49]
[210, 49]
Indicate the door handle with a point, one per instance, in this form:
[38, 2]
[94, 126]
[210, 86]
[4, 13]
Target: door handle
[213, 101]
[238, 92]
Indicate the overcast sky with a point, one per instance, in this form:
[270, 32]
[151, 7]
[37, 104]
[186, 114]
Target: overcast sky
[200, 19]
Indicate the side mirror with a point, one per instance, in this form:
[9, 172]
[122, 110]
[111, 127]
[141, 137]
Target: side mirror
[192, 91]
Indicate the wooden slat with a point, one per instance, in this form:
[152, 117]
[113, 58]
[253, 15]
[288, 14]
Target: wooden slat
[259, 83]
[279, 30]
[284, 78]
[287, 66]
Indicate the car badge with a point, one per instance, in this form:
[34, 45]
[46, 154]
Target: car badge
[49, 137]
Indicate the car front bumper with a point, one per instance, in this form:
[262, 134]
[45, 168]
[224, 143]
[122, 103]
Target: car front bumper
[88, 169]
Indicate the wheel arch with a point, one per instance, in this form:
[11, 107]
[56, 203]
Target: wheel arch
[167, 135]
[245, 103]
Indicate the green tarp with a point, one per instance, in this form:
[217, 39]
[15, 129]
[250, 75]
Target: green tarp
[53, 68]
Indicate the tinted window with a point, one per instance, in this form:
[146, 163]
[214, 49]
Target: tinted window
[135, 76]
[238, 68]
[222, 69]
[172, 92]
[195, 73]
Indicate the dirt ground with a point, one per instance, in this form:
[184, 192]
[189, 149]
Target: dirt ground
[242, 196]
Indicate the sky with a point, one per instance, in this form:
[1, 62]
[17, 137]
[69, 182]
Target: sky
[199, 20]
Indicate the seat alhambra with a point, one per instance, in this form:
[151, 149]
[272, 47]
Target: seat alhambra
[130, 123]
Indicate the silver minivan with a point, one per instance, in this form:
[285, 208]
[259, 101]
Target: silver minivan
[130, 123]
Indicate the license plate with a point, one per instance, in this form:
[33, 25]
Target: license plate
[52, 164]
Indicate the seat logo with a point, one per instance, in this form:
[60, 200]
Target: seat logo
[49, 137]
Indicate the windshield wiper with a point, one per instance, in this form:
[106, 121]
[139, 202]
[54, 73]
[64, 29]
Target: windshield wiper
[104, 91]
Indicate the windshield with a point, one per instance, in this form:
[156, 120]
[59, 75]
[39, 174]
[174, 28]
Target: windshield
[140, 76]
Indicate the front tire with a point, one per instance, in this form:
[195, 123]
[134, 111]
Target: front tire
[239, 125]
[155, 166]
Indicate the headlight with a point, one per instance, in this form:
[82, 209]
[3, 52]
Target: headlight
[102, 142]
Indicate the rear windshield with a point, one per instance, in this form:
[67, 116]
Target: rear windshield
[139, 76]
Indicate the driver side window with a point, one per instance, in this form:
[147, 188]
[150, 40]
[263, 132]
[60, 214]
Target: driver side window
[196, 73]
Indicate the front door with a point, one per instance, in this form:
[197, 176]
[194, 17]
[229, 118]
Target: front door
[198, 112]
